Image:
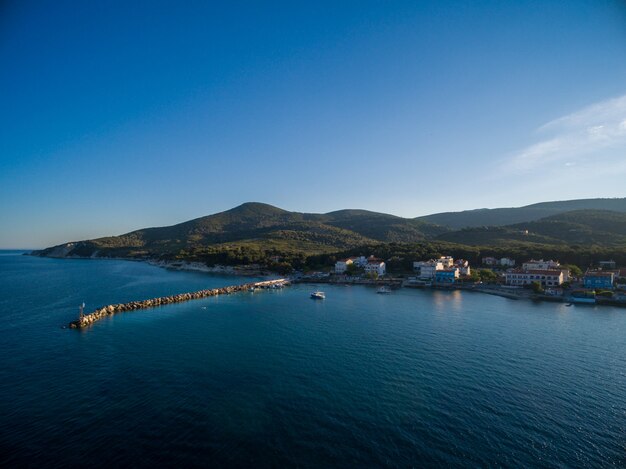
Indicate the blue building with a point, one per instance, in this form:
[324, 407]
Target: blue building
[446, 275]
[599, 280]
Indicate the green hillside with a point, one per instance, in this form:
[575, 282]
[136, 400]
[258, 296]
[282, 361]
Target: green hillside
[251, 227]
[508, 216]
[255, 233]
[582, 227]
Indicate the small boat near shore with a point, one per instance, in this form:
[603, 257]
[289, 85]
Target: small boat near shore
[318, 295]
[384, 290]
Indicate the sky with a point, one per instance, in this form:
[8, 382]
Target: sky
[116, 116]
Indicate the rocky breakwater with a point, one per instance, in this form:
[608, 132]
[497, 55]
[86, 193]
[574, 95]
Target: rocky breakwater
[87, 320]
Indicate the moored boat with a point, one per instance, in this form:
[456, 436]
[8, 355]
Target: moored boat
[318, 295]
[383, 290]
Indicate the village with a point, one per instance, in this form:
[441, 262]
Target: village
[604, 283]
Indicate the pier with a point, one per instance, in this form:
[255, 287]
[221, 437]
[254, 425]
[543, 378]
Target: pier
[86, 320]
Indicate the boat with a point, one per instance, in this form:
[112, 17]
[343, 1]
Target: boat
[383, 290]
[318, 295]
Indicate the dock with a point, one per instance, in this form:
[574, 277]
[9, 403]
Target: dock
[86, 320]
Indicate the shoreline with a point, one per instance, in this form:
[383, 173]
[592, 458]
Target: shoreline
[510, 294]
[182, 265]
[395, 283]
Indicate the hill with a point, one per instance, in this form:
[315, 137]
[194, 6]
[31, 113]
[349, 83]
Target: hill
[255, 233]
[577, 227]
[254, 230]
[528, 213]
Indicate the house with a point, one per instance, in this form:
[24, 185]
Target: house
[375, 266]
[447, 275]
[447, 261]
[540, 265]
[490, 261]
[427, 269]
[463, 266]
[598, 279]
[566, 275]
[547, 278]
[341, 266]
[606, 264]
[507, 262]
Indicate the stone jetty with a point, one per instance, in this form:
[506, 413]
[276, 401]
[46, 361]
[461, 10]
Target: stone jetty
[86, 320]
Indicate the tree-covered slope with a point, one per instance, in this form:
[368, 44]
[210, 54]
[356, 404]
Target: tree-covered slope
[256, 224]
[578, 227]
[508, 216]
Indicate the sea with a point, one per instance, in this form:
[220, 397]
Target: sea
[415, 378]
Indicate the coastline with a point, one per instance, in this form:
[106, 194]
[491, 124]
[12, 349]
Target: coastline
[181, 265]
[519, 294]
[395, 283]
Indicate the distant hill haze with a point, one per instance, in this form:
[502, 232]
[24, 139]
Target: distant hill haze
[254, 231]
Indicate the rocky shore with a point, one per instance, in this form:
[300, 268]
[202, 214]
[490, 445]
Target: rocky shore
[87, 320]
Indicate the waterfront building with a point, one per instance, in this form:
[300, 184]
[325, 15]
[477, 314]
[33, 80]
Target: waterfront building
[427, 269]
[463, 266]
[566, 275]
[540, 265]
[547, 278]
[341, 266]
[447, 275]
[507, 262]
[447, 261]
[374, 265]
[598, 279]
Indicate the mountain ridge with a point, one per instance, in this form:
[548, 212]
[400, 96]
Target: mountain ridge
[511, 215]
[253, 231]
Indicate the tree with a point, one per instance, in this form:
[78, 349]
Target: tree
[373, 275]
[574, 270]
[488, 276]
[473, 277]
[536, 287]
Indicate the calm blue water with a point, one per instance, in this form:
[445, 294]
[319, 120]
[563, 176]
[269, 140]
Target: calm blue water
[415, 378]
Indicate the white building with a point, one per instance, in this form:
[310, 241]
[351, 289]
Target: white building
[540, 265]
[547, 278]
[507, 262]
[463, 266]
[427, 269]
[447, 261]
[490, 261]
[341, 266]
[375, 265]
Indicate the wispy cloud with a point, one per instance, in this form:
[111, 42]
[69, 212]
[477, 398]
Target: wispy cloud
[569, 141]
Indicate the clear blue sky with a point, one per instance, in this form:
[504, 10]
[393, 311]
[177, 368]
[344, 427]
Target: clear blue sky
[121, 115]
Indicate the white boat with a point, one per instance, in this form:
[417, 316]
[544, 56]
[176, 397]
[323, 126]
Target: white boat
[383, 290]
[318, 295]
